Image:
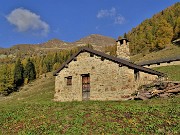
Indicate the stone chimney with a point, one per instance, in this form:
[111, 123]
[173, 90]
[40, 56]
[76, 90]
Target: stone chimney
[123, 49]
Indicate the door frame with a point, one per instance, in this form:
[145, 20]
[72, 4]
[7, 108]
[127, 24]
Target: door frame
[87, 85]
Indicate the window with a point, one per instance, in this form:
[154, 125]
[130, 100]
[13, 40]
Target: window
[91, 55]
[136, 75]
[69, 80]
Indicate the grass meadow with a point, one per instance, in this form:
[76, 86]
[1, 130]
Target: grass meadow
[173, 72]
[32, 112]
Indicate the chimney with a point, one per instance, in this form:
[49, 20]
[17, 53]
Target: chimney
[123, 49]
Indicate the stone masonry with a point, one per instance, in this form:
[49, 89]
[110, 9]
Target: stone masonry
[108, 81]
[123, 49]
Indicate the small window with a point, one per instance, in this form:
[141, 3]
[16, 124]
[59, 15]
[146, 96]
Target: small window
[91, 55]
[136, 75]
[69, 80]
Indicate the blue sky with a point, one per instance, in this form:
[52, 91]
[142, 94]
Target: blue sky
[37, 21]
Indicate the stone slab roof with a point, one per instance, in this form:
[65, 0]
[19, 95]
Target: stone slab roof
[111, 58]
[164, 60]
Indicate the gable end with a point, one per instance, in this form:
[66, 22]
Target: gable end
[108, 57]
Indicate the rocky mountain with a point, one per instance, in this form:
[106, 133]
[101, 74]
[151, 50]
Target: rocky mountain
[96, 40]
[54, 43]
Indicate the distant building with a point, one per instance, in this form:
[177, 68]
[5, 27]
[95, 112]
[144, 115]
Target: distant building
[161, 62]
[93, 75]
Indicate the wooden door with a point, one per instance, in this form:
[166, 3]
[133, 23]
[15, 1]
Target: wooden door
[85, 86]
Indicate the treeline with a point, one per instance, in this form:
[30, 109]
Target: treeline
[23, 71]
[111, 50]
[156, 33]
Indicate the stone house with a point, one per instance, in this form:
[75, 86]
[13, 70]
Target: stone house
[93, 75]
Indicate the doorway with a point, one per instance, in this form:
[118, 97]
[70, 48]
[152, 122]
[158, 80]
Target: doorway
[85, 86]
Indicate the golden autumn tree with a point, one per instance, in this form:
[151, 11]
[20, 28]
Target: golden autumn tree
[164, 34]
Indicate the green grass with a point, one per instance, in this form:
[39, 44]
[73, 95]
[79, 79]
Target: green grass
[170, 51]
[173, 72]
[32, 111]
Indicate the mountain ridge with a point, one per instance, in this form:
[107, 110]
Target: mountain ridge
[90, 39]
[96, 40]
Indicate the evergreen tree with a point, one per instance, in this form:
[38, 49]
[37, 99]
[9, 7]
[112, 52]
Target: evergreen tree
[30, 72]
[89, 46]
[18, 73]
[125, 35]
[55, 58]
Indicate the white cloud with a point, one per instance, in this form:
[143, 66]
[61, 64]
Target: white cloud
[26, 21]
[112, 14]
[106, 13]
[119, 19]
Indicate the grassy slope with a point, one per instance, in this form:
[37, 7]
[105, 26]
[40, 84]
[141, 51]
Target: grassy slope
[32, 111]
[171, 51]
[173, 72]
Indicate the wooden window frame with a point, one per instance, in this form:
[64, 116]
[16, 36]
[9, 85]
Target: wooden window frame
[136, 75]
[91, 55]
[69, 80]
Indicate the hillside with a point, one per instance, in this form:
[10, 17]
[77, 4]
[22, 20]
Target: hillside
[171, 51]
[97, 41]
[157, 32]
[32, 111]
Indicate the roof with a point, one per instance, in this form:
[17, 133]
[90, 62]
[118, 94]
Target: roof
[164, 60]
[111, 58]
[123, 39]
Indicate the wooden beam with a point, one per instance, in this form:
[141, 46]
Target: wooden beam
[66, 66]
[102, 58]
[120, 65]
[75, 59]
[91, 55]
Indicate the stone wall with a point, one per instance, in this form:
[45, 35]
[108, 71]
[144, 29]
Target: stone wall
[123, 50]
[108, 81]
[145, 78]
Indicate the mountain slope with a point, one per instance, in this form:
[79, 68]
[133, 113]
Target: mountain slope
[98, 42]
[157, 32]
[170, 51]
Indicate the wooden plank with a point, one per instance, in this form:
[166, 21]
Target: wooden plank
[177, 90]
[173, 87]
[140, 97]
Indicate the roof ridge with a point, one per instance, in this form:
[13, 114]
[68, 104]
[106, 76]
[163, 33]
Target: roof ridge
[109, 57]
[166, 59]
